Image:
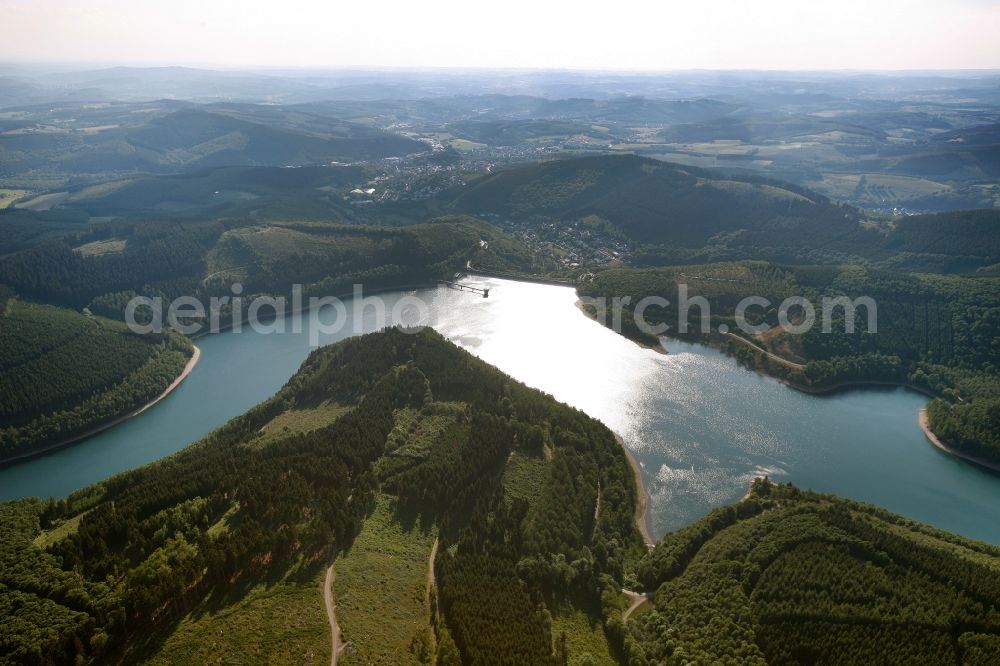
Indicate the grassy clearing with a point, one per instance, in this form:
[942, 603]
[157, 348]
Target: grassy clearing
[223, 523]
[414, 434]
[283, 623]
[466, 145]
[299, 420]
[737, 187]
[99, 247]
[97, 129]
[585, 639]
[728, 147]
[525, 476]
[876, 187]
[59, 532]
[782, 343]
[643, 608]
[416, 431]
[8, 197]
[380, 587]
[686, 159]
[277, 241]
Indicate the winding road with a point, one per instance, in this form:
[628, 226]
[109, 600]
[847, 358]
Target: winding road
[638, 599]
[430, 577]
[770, 355]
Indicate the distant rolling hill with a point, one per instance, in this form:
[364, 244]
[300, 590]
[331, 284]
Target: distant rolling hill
[677, 212]
[759, 128]
[512, 132]
[207, 139]
[637, 109]
[169, 140]
[970, 154]
[649, 200]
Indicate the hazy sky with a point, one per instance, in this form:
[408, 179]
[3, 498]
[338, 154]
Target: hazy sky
[614, 34]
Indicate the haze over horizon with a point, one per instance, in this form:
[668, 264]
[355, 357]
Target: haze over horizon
[631, 35]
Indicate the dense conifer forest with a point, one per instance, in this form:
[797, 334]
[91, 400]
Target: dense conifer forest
[788, 576]
[63, 373]
[203, 258]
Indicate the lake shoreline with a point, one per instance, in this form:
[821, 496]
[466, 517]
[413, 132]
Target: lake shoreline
[659, 349]
[853, 384]
[642, 497]
[188, 367]
[944, 448]
[802, 388]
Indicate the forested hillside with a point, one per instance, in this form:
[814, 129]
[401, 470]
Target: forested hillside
[948, 242]
[939, 333]
[108, 265]
[149, 257]
[63, 373]
[508, 477]
[653, 201]
[318, 193]
[789, 577]
[329, 259]
[682, 214]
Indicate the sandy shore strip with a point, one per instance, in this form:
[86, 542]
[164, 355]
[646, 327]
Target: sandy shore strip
[188, 367]
[642, 502]
[933, 439]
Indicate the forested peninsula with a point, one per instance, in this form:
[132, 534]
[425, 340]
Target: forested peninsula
[507, 478]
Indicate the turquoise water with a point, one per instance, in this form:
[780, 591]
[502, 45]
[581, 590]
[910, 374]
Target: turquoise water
[700, 426]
